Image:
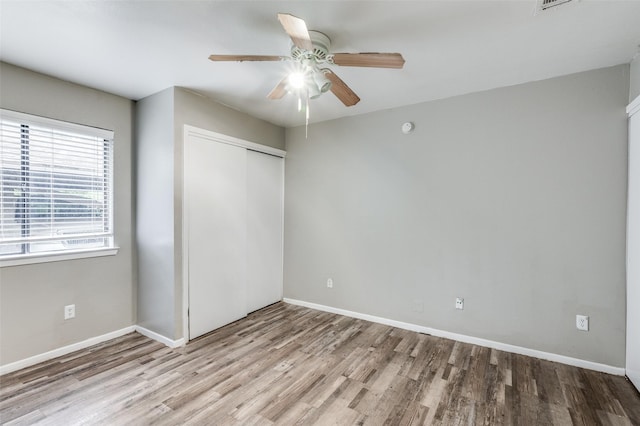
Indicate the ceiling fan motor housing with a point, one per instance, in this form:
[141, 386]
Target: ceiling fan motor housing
[321, 44]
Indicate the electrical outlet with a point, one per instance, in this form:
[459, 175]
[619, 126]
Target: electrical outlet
[582, 322]
[329, 283]
[459, 303]
[69, 312]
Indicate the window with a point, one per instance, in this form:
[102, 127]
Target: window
[55, 187]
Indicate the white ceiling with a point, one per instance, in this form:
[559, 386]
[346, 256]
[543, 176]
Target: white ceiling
[137, 48]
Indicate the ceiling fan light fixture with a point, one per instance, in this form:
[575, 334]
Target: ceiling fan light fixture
[296, 80]
[323, 83]
[313, 90]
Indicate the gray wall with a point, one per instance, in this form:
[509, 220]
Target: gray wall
[154, 224]
[160, 123]
[634, 88]
[32, 297]
[514, 199]
[199, 111]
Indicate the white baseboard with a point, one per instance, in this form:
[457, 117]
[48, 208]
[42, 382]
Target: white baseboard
[160, 338]
[28, 362]
[576, 362]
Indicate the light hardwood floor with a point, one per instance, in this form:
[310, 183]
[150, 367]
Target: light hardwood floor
[291, 365]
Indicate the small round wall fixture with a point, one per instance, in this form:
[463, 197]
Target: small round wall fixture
[408, 127]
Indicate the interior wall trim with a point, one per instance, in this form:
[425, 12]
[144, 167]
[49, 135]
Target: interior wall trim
[192, 131]
[576, 362]
[46, 356]
[160, 338]
[219, 137]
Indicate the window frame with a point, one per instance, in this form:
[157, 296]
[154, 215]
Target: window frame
[63, 126]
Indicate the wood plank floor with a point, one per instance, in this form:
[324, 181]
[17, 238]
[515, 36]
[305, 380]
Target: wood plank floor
[291, 365]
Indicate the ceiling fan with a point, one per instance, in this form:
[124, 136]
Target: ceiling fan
[310, 53]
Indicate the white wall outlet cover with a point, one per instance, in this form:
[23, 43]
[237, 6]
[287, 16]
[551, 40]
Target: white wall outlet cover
[330, 283]
[459, 303]
[582, 322]
[408, 127]
[69, 312]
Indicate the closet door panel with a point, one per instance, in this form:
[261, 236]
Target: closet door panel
[216, 215]
[265, 192]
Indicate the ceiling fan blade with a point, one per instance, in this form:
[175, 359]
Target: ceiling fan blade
[297, 30]
[376, 60]
[341, 90]
[279, 91]
[241, 58]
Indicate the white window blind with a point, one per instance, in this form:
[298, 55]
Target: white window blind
[55, 186]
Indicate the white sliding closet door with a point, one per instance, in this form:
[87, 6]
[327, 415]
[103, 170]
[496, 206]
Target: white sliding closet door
[265, 192]
[215, 217]
[633, 254]
[232, 228]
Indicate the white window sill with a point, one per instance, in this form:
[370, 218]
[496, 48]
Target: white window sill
[56, 257]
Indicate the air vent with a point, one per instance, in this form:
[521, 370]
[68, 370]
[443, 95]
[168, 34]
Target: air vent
[548, 4]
